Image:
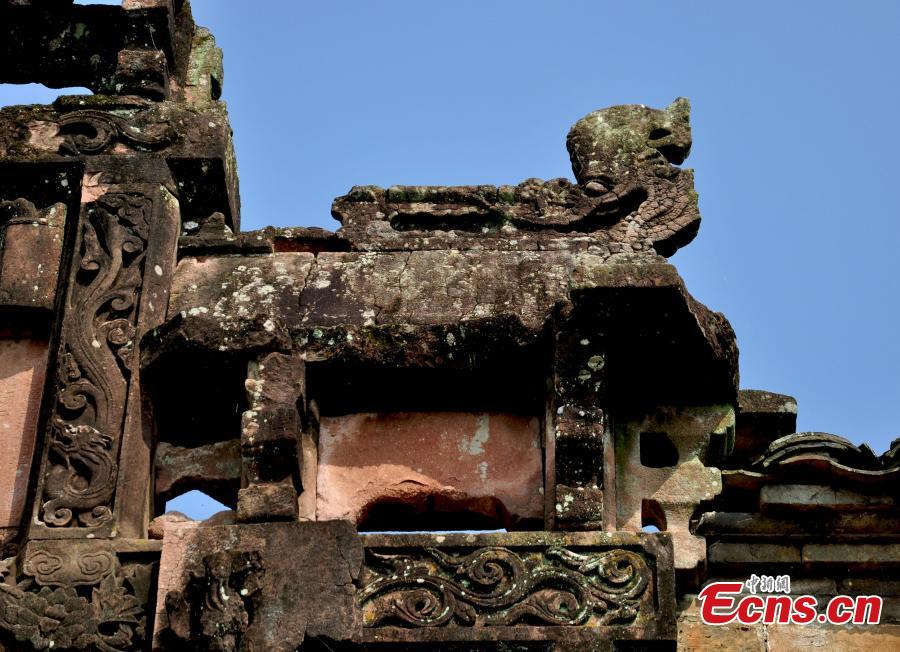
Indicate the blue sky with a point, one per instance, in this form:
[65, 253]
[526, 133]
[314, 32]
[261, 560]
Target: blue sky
[796, 142]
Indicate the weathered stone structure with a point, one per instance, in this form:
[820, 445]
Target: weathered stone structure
[446, 426]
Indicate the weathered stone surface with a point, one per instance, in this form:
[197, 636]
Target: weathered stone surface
[787, 638]
[157, 527]
[807, 456]
[289, 601]
[807, 496]
[762, 418]
[72, 45]
[423, 307]
[664, 471]
[117, 290]
[31, 243]
[230, 292]
[629, 199]
[76, 595]
[452, 358]
[738, 554]
[400, 471]
[615, 142]
[693, 634]
[786, 525]
[532, 216]
[271, 501]
[880, 556]
[23, 365]
[270, 439]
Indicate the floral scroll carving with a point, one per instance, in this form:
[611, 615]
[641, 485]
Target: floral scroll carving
[95, 361]
[499, 586]
[101, 612]
[93, 132]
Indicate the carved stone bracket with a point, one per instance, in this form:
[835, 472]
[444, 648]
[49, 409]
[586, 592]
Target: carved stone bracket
[98, 338]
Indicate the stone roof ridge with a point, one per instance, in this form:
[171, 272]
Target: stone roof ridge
[630, 196]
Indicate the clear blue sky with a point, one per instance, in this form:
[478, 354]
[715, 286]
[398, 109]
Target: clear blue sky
[796, 146]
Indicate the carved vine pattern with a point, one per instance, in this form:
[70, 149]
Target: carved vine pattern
[94, 372]
[105, 617]
[496, 586]
[92, 132]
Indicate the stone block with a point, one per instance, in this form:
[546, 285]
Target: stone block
[662, 475]
[849, 554]
[762, 418]
[693, 634]
[214, 469]
[304, 574]
[577, 589]
[31, 242]
[267, 501]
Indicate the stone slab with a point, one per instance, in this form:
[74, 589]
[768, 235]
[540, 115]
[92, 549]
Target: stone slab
[23, 365]
[485, 463]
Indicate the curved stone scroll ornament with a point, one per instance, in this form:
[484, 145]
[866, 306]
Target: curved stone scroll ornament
[496, 586]
[94, 367]
[84, 569]
[106, 618]
[93, 132]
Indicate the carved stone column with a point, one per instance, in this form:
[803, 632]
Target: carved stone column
[124, 253]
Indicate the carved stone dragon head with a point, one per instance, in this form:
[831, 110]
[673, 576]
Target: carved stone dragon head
[610, 145]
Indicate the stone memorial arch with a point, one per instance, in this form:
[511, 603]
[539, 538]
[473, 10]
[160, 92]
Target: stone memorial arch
[448, 425]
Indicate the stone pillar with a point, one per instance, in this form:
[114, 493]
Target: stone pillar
[576, 428]
[270, 434]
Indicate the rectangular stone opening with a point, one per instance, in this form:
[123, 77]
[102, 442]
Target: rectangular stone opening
[428, 449]
[197, 400]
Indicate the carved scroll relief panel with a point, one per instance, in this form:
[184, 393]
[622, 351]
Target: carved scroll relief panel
[118, 255]
[550, 586]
